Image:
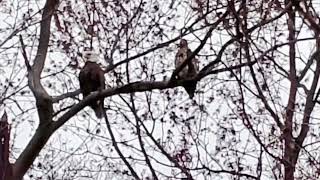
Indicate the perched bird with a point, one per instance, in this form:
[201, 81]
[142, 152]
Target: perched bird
[190, 70]
[92, 79]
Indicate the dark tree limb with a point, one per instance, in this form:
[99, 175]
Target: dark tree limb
[31, 151]
[43, 100]
[66, 95]
[24, 54]
[290, 149]
[310, 103]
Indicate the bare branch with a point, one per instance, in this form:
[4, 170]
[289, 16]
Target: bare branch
[24, 54]
[66, 95]
[43, 100]
[115, 145]
[310, 103]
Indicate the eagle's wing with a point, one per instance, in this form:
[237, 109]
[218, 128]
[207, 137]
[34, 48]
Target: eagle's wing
[99, 107]
[177, 60]
[181, 56]
[193, 67]
[97, 78]
[82, 80]
[101, 79]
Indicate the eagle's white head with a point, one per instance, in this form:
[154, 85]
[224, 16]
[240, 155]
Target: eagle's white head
[90, 56]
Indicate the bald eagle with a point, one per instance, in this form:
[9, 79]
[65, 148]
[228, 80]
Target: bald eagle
[190, 70]
[92, 79]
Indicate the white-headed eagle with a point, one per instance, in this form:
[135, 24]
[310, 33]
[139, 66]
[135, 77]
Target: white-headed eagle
[92, 79]
[190, 70]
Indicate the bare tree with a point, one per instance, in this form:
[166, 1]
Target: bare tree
[253, 115]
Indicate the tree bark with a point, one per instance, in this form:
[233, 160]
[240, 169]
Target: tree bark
[43, 100]
[290, 150]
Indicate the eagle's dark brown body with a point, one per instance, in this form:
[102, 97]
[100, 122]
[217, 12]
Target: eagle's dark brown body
[190, 70]
[92, 79]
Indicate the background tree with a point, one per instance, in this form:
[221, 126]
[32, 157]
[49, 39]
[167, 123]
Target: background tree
[253, 115]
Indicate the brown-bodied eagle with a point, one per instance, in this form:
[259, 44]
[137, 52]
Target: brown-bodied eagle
[190, 70]
[92, 79]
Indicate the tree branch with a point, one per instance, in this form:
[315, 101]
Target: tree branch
[43, 100]
[66, 95]
[310, 103]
